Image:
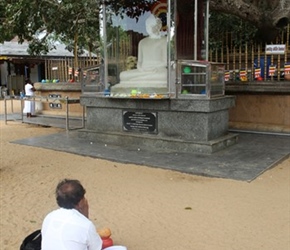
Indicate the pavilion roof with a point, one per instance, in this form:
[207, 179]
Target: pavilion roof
[15, 49]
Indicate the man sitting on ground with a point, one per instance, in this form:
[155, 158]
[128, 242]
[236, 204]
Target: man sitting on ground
[68, 228]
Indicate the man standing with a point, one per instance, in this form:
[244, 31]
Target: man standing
[29, 105]
[68, 228]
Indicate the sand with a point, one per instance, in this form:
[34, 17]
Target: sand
[146, 208]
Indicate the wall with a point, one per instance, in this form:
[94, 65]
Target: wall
[261, 112]
[71, 90]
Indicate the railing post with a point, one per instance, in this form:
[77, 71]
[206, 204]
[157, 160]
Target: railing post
[67, 122]
[21, 106]
[83, 120]
[5, 110]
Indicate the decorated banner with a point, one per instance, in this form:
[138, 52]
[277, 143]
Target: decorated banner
[227, 76]
[243, 75]
[287, 69]
[257, 72]
[272, 70]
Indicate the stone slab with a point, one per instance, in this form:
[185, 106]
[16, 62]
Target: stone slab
[169, 144]
[244, 161]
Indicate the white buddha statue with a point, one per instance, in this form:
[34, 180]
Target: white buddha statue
[152, 60]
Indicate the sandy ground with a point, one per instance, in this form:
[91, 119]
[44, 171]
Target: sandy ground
[146, 208]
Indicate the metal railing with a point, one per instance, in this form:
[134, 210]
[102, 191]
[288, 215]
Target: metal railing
[67, 101]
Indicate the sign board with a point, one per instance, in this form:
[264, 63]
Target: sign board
[275, 49]
[138, 121]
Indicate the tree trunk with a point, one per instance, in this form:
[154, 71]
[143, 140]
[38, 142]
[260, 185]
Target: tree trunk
[267, 15]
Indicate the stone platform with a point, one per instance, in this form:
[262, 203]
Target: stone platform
[183, 125]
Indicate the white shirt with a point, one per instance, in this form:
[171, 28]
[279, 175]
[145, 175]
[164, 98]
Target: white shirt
[29, 89]
[68, 229]
[29, 106]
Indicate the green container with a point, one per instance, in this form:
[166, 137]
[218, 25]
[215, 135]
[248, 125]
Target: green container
[186, 69]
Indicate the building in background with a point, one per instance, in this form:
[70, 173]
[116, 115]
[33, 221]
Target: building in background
[16, 64]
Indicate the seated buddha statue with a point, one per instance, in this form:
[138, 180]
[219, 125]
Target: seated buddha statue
[152, 59]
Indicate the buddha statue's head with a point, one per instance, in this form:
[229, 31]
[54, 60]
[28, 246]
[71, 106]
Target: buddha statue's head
[153, 26]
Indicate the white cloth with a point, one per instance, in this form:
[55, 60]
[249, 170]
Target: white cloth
[68, 229]
[29, 106]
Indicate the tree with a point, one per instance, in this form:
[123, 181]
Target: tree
[268, 16]
[241, 32]
[4, 33]
[42, 22]
[75, 20]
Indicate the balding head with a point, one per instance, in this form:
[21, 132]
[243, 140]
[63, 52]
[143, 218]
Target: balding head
[69, 193]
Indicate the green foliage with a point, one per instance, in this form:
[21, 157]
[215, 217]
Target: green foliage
[76, 22]
[132, 8]
[114, 32]
[5, 34]
[239, 32]
[43, 21]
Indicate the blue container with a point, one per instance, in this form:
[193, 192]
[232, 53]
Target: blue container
[107, 92]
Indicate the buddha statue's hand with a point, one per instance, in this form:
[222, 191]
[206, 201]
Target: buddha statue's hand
[148, 69]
